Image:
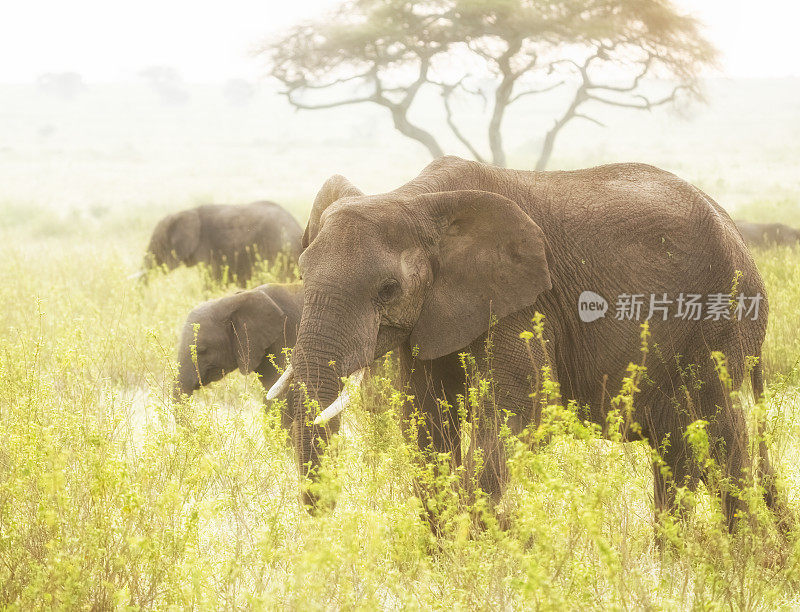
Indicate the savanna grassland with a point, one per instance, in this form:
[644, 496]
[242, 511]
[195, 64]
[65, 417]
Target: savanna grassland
[111, 496]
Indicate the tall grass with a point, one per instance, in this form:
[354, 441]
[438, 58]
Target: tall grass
[111, 498]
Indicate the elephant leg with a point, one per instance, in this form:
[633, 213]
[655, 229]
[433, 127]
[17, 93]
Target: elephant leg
[433, 413]
[676, 468]
[775, 501]
[731, 441]
[729, 446]
[514, 369]
[432, 421]
[728, 435]
[490, 446]
[769, 481]
[245, 262]
[287, 417]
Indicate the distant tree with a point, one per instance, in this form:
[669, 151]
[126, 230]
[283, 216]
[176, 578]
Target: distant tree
[61, 84]
[505, 52]
[167, 83]
[239, 92]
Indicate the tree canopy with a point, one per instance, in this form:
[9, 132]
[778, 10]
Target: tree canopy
[504, 52]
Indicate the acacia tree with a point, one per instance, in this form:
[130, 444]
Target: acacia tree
[635, 54]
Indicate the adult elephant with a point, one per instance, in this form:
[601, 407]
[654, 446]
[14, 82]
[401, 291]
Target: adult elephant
[768, 234]
[227, 237]
[428, 268]
[240, 331]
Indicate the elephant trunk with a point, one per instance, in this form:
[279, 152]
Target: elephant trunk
[142, 275]
[331, 344]
[150, 259]
[187, 381]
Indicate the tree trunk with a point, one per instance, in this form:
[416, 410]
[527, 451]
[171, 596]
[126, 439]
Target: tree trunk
[550, 137]
[405, 127]
[501, 98]
[547, 149]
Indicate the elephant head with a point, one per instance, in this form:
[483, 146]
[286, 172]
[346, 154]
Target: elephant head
[430, 270]
[788, 235]
[236, 331]
[174, 241]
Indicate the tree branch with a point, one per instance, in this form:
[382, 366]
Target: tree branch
[447, 91]
[424, 66]
[535, 91]
[588, 118]
[345, 102]
[645, 104]
[399, 110]
[306, 85]
[585, 93]
[645, 68]
[581, 95]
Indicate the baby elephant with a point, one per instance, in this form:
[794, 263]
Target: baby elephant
[224, 235]
[240, 331]
[768, 234]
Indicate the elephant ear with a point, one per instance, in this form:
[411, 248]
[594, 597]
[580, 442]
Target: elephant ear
[335, 188]
[488, 261]
[256, 323]
[184, 233]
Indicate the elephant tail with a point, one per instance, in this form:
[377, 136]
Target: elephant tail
[757, 380]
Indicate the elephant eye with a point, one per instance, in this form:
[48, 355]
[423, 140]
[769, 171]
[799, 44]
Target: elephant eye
[389, 290]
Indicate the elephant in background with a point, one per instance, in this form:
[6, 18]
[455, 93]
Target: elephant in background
[240, 331]
[768, 234]
[224, 235]
[467, 250]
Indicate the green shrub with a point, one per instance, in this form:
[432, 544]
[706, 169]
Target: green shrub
[111, 496]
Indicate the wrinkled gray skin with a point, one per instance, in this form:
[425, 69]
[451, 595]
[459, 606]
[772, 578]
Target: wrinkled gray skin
[239, 332]
[768, 234]
[224, 235]
[428, 264]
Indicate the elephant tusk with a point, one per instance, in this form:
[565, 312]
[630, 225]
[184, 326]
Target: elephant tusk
[281, 385]
[137, 275]
[341, 402]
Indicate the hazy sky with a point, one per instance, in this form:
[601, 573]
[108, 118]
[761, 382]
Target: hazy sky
[209, 41]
